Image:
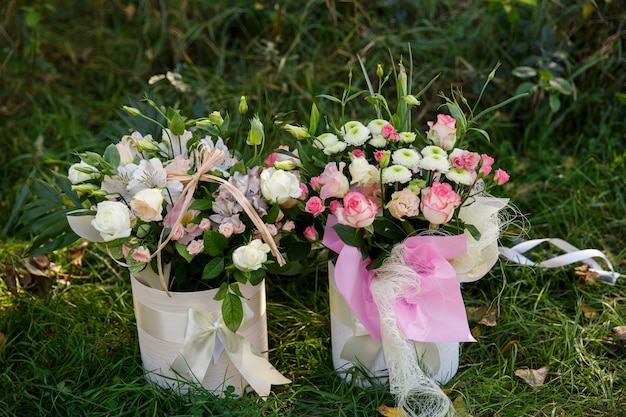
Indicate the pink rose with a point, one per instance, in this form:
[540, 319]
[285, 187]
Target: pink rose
[334, 182]
[315, 183]
[443, 132]
[462, 159]
[314, 206]
[334, 206]
[439, 202]
[389, 132]
[289, 226]
[404, 203]
[485, 167]
[358, 210]
[500, 176]
[358, 153]
[226, 229]
[141, 254]
[195, 247]
[205, 224]
[310, 233]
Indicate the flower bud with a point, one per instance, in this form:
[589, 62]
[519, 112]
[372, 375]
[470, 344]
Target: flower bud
[92, 189]
[243, 105]
[402, 80]
[286, 165]
[411, 100]
[384, 160]
[256, 134]
[297, 132]
[216, 118]
[146, 145]
[132, 110]
[379, 71]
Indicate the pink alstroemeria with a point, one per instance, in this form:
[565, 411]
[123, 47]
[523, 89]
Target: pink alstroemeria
[500, 177]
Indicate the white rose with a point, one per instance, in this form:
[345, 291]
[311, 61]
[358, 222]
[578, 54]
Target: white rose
[251, 257]
[148, 204]
[112, 220]
[76, 175]
[279, 186]
[363, 174]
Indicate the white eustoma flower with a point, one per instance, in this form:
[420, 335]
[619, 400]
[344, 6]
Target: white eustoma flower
[355, 133]
[81, 172]
[251, 256]
[278, 186]
[396, 174]
[409, 158]
[112, 220]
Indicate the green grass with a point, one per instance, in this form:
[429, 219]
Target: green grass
[67, 66]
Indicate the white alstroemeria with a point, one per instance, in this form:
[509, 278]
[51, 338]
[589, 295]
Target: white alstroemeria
[226, 163]
[435, 162]
[324, 140]
[407, 157]
[81, 172]
[117, 185]
[396, 174]
[335, 148]
[460, 176]
[378, 141]
[376, 126]
[174, 145]
[406, 137]
[355, 133]
[149, 174]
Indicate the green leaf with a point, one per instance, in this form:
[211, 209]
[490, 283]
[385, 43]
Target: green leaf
[524, 88]
[232, 311]
[331, 98]
[555, 103]
[524, 72]
[241, 277]
[112, 156]
[272, 214]
[201, 205]
[349, 235]
[482, 132]
[234, 288]
[561, 85]
[44, 190]
[221, 292]
[256, 277]
[298, 251]
[214, 243]
[213, 269]
[183, 252]
[621, 97]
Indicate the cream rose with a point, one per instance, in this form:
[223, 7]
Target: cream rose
[278, 186]
[363, 173]
[148, 205]
[404, 203]
[251, 257]
[112, 220]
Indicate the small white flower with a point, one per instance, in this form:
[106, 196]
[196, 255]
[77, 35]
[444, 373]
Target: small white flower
[433, 150]
[460, 176]
[435, 162]
[324, 140]
[378, 141]
[149, 174]
[396, 173]
[82, 172]
[335, 148]
[376, 126]
[355, 133]
[409, 158]
[407, 137]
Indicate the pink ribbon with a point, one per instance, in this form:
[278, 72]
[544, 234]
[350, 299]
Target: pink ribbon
[435, 312]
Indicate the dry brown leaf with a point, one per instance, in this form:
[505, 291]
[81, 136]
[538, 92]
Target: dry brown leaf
[620, 332]
[8, 276]
[534, 377]
[586, 274]
[477, 331]
[476, 313]
[589, 312]
[489, 319]
[390, 411]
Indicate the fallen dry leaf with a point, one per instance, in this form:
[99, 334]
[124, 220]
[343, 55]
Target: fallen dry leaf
[534, 377]
[620, 332]
[587, 275]
[390, 411]
[589, 312]
[489, 319]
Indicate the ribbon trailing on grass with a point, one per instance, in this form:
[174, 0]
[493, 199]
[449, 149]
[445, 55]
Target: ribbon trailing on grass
[572, 255]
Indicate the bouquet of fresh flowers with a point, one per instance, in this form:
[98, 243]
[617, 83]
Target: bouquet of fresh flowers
[184, 213]
[409, 214]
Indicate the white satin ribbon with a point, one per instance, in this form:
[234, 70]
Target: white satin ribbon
[206, 337]
[572, 255]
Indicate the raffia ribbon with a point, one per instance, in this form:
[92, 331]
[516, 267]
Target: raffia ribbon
[205, 161]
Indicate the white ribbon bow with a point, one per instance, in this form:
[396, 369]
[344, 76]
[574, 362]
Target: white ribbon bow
[206, 337]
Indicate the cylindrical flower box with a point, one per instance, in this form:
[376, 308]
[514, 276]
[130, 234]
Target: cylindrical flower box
[162, 323]
[353, 346]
